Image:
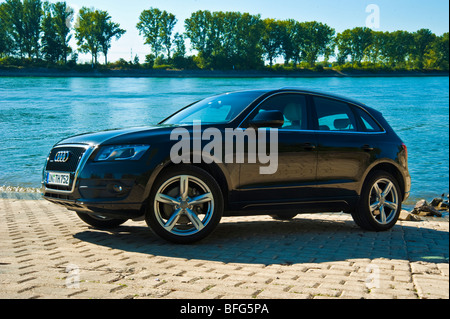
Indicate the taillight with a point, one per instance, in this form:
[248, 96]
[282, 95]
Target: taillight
[406, 150]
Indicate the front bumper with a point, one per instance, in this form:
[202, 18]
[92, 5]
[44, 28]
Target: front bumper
[110, 189]
[107, 209]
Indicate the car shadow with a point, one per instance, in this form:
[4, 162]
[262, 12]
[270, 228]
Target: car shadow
[298, 241]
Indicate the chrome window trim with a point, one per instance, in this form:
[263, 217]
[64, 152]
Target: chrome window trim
[338, 132]
[89, 150]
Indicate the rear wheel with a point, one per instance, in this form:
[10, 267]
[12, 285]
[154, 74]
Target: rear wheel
[186, 204]
[380, 203]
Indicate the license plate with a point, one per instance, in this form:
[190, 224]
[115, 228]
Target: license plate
[61, 179]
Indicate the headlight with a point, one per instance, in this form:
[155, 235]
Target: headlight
[121, 152]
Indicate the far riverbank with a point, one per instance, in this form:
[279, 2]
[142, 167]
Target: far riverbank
[51, 72]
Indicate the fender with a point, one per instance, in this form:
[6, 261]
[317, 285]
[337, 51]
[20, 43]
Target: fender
[394, 168]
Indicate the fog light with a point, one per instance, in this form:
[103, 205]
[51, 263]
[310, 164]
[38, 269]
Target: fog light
[118, 188]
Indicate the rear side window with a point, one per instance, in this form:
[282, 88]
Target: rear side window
[334, 115]
[369, 124]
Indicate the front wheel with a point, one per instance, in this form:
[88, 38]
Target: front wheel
[380, 203]
[185, 205]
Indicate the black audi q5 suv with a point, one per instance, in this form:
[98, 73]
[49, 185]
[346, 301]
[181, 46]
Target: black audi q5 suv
[276, 152]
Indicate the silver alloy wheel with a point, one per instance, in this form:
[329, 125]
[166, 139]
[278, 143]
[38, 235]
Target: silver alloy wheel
[181, 214]
[383, 201]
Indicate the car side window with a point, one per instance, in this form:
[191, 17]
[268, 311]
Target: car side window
[370, 125]
[293, 107]
[334, 115]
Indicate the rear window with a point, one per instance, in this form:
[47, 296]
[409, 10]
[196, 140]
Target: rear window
[370, 125]
[334, 115]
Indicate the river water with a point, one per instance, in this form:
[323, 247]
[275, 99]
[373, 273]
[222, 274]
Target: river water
[35, 113]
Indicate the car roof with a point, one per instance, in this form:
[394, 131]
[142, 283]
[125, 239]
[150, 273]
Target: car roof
[266, 92]
[322, 93]
[304, 90]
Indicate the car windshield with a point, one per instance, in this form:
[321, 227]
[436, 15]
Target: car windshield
[218, 109]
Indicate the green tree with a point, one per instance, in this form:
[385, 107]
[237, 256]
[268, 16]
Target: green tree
[377, 52]
[361, 41]
[271, 39]
[108, 31]
[438, 55]
[56, 31]
[226, 40]
[62, 17]
[178, 57]
[292, 39]
[95, 31]
[6, 42]
[199, 28]
[355, 43]
[240, 41]
[50, 48]
[441, 46]
[12, 17]
[156, 27]
[180, 46]
[398, 48]
[343, 42]
[423, 39]
[318, 40]
[168, 22]
[32, 15]
[87, 33]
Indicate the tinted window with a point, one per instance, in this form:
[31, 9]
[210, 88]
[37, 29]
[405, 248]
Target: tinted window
[369, 124]
[334, 115]
[293, 107]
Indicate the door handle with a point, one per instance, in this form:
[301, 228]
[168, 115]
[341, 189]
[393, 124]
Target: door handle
[309, 146]
[367, 148]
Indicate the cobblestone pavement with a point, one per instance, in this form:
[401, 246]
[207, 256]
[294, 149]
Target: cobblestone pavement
[47, 252]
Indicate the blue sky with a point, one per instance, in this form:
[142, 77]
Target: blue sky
[409, 15]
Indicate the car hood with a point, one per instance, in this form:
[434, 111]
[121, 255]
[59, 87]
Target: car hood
[117, 136]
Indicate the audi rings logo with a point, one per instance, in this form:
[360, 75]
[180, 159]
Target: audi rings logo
[62, 157]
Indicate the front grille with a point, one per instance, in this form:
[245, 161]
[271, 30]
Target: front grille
[75, 155]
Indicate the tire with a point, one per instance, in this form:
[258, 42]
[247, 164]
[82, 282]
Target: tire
[287, 216]
[380, 203]
[185, 205]
[100, 222]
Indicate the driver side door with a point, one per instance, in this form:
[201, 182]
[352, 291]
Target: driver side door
[295, 176]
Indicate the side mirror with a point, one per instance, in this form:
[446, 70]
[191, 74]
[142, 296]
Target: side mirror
[274, 119]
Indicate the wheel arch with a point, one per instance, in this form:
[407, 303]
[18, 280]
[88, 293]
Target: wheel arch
[391, 168]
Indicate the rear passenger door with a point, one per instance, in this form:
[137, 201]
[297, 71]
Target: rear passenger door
[344, 150]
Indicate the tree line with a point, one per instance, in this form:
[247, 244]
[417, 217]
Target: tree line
[32, 29]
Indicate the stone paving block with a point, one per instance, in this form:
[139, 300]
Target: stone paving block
[443, 268]
[431, 286]
[313, 256]
[280, 294]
